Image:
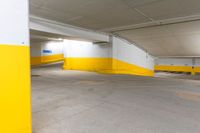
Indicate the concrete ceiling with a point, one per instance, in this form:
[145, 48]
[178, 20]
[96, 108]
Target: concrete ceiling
[39, 36]
[110, 15]
[182, 39]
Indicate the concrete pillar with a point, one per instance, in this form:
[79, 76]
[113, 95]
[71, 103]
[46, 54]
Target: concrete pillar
[15, 99]
[193, 67]
[193, 73]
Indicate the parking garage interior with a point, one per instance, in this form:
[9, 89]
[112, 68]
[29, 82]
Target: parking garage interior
[100, 66]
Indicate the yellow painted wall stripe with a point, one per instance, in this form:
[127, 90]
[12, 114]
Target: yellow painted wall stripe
[15, 92]
[173, 68]
[190, 69]
[105, 65]
[197, 69]
[121, 67]
[88, 64]
[46, 59]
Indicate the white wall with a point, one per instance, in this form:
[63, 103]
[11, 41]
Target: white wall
[86, 49]
[124, 51]
[174, 61]
[197, 62]
[56, 47]
[14, 22]
[120, 49]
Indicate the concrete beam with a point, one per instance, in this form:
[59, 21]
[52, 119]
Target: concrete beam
[153, 23]
[50, 26]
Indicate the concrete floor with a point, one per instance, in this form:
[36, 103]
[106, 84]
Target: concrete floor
[84, 102]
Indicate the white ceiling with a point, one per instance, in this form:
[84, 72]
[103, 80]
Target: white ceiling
[104, 15]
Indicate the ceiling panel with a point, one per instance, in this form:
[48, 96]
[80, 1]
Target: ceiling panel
[93, 14]
[181, 39]
[105, 14]
[166, 9]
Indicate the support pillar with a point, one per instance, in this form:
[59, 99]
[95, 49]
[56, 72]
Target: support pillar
[15, 86]
[193, 67]
[193, 72]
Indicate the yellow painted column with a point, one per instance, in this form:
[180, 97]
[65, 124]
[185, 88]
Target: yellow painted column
[193, 73]
[15, 85]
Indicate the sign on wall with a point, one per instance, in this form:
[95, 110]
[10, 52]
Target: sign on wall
[47, 51]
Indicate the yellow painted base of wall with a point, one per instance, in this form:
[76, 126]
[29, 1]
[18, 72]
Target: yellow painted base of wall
[15, 92]
[197, 69]
[46, 59]
[88, 64]
[105, 65]
[192, 70]
[121, 67]
[173, 68]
